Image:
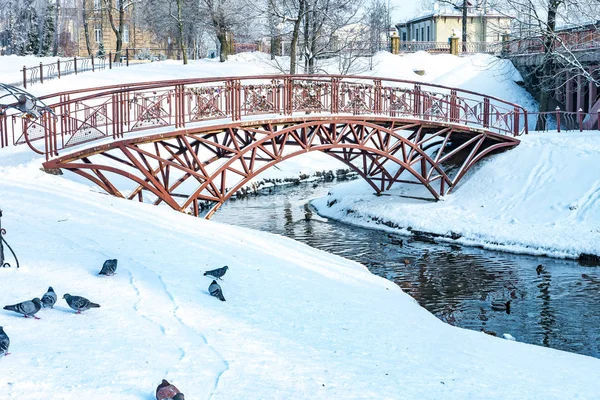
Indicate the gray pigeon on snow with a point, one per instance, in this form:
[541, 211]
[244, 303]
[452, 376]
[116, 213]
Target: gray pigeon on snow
[108, 268]
[79, 303]
[217, 273]
[4, 342]
[49, 299]
[215, 290]
[28, 308]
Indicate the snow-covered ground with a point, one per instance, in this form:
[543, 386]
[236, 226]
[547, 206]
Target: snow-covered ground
[298, 323]
[542, 197]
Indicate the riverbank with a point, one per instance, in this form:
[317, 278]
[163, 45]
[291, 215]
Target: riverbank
[297, 322]
[541, 198]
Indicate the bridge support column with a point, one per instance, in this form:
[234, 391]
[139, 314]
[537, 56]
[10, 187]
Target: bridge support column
[505, 44]
[592, 93]
[580, 93]
[569, 106]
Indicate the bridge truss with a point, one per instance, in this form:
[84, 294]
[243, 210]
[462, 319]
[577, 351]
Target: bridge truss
[229, 130]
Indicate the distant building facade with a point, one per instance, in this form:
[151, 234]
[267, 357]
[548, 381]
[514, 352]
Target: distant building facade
[100, 30]
[483, 25]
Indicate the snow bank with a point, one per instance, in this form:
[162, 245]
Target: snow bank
[298, 323]
[542, 197]
[481, 73]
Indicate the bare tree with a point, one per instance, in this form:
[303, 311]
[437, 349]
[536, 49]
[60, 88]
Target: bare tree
[326, 25]
[548, 52]
[117, 7]
[223, 16]
[86, 29]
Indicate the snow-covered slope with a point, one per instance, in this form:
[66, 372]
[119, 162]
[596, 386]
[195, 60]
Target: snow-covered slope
[480, 73]
[298, 323]
[542, 197]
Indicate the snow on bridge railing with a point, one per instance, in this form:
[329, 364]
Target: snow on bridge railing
[110, 112]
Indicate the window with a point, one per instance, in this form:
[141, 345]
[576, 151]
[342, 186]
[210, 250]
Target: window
[404, 36]
[417, 34]
[125, 34]
[97, 5]
[422, 35]
[428, 37]
[98, 33]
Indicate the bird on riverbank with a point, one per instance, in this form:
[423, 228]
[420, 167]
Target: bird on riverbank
[501, 305]
[4, 342]
[79, 303]
[215, 290]
[539, 269]
[49, 298]
[27, 308]
[217, 273]
[167, 391]
[393, 240]
[108, 268]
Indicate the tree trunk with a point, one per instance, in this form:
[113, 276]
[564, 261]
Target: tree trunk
[295, 34]
[315, 33]
[56, 29]
[307, 36]
[118, 31]
[85, 28]
[547, 62]
[182, 45]
[223, 44]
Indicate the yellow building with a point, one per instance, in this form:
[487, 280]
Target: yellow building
[483, 25]
[100, 31]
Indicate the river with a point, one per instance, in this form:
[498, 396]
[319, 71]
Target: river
[558, 308]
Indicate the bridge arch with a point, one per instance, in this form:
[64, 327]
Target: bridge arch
[212, 163]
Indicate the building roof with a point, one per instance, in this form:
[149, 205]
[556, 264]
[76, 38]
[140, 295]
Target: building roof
[449, 11]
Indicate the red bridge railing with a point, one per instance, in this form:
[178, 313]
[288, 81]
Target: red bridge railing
[110, 112]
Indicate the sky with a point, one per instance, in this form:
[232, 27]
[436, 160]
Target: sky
[404, 9]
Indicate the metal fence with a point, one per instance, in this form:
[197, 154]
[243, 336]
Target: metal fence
[564, 121]
[69, 66]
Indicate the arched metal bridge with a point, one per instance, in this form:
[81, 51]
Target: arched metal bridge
[185, 141]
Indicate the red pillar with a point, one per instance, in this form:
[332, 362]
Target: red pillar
[592, 93]
[580, 94]
[569, 106]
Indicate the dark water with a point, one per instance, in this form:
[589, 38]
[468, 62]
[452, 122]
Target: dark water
[560, 308]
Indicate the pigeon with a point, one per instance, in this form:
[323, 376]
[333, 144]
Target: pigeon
[167, 391]
[79, 303]
[28, 308]
[109, 268]
[217, 273]
[215, 290]
[4, 342]
[49, 299]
